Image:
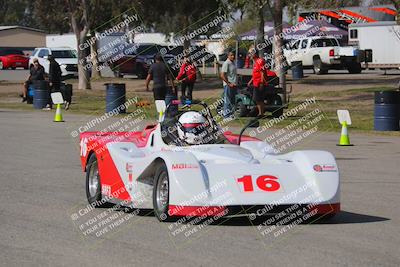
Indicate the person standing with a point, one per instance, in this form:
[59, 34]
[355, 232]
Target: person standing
[187, 75]
[259, 81]
[54, 78]
[158, 72]
[36, 73]
[229, 78]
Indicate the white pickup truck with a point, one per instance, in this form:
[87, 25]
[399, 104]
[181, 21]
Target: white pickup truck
[322, 53]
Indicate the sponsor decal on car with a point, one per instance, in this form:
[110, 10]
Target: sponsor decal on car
[129, 167]
[324, 168]
[129, 170]
[106, 189]
[181, 166]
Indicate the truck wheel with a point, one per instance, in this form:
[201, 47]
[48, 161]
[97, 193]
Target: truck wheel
[354, 68]
[93, 183]
[241, 109]
[161, 193]
[118, 74]
[141, 72]
[319, 67]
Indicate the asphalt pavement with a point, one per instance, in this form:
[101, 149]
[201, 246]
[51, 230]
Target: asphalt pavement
[43, 190]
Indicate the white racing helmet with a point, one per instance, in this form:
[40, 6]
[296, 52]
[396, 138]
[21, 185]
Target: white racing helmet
[192, 127]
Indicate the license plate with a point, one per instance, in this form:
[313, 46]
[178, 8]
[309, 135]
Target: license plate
[18, 63]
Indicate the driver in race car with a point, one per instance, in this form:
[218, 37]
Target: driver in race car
[192, 128]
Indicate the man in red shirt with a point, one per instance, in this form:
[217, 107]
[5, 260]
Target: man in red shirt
[187, 75]
[259, 80]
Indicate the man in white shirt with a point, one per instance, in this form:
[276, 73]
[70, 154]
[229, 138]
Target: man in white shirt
[229, 78]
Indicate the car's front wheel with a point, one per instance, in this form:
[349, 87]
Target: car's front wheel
[93, 182]
[161, 193]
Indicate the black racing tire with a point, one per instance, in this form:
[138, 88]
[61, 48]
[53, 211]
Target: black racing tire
[319, 67]
[93, 183]
[13, 68]
[241, 109]
[161, 193]
[354, 68]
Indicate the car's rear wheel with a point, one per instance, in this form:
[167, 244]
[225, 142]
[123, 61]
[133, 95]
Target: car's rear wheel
[117, 74]
[319, 67]
[93, 182]
[161, 193]
[354, 68]
[141, 72]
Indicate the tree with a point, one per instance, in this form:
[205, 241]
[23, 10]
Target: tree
[80, 23]
[180, 17]
[51, 16]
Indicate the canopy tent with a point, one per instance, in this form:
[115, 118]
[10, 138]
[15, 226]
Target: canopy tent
[268, 30]
[309, 28]
[315, 28]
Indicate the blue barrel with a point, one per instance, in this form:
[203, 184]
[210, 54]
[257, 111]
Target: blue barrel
[297, 70]
[41, 95]
[387, 111]
[115, 97]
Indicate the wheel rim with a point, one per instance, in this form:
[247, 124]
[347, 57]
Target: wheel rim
[93, 179]
[1, 65]
[162, 192]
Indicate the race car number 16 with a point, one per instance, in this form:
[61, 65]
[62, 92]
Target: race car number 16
[267, 183]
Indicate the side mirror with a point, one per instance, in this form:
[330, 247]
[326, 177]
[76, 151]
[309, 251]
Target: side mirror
[45, 57]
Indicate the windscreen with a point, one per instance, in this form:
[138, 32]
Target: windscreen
[63, 54]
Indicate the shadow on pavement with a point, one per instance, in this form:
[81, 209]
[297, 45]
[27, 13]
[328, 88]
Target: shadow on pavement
[343, 217]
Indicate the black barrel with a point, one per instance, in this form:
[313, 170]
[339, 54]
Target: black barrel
[115, 97]
[66, 91]
[387, 111]
[41, 96]
[297, 70]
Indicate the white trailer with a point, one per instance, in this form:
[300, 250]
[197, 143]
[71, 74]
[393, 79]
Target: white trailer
[58, 40]
[380, 41]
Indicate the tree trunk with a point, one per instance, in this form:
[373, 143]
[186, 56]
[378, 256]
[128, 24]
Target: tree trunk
[80, 25]
[278, 46]
[186, 42]
[83, 74]
[260, 32]
[396, 4]
[95, 62]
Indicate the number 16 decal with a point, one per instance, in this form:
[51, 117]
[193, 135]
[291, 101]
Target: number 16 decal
[267, 183]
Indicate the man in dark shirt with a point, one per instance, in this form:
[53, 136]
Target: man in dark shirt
[54, 74]
[158, 72]
[36, 73]
[54, 78]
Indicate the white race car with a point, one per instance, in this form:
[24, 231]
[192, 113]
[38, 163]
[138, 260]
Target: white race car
[185, 165]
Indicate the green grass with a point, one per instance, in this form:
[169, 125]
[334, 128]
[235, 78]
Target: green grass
[358, 101]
